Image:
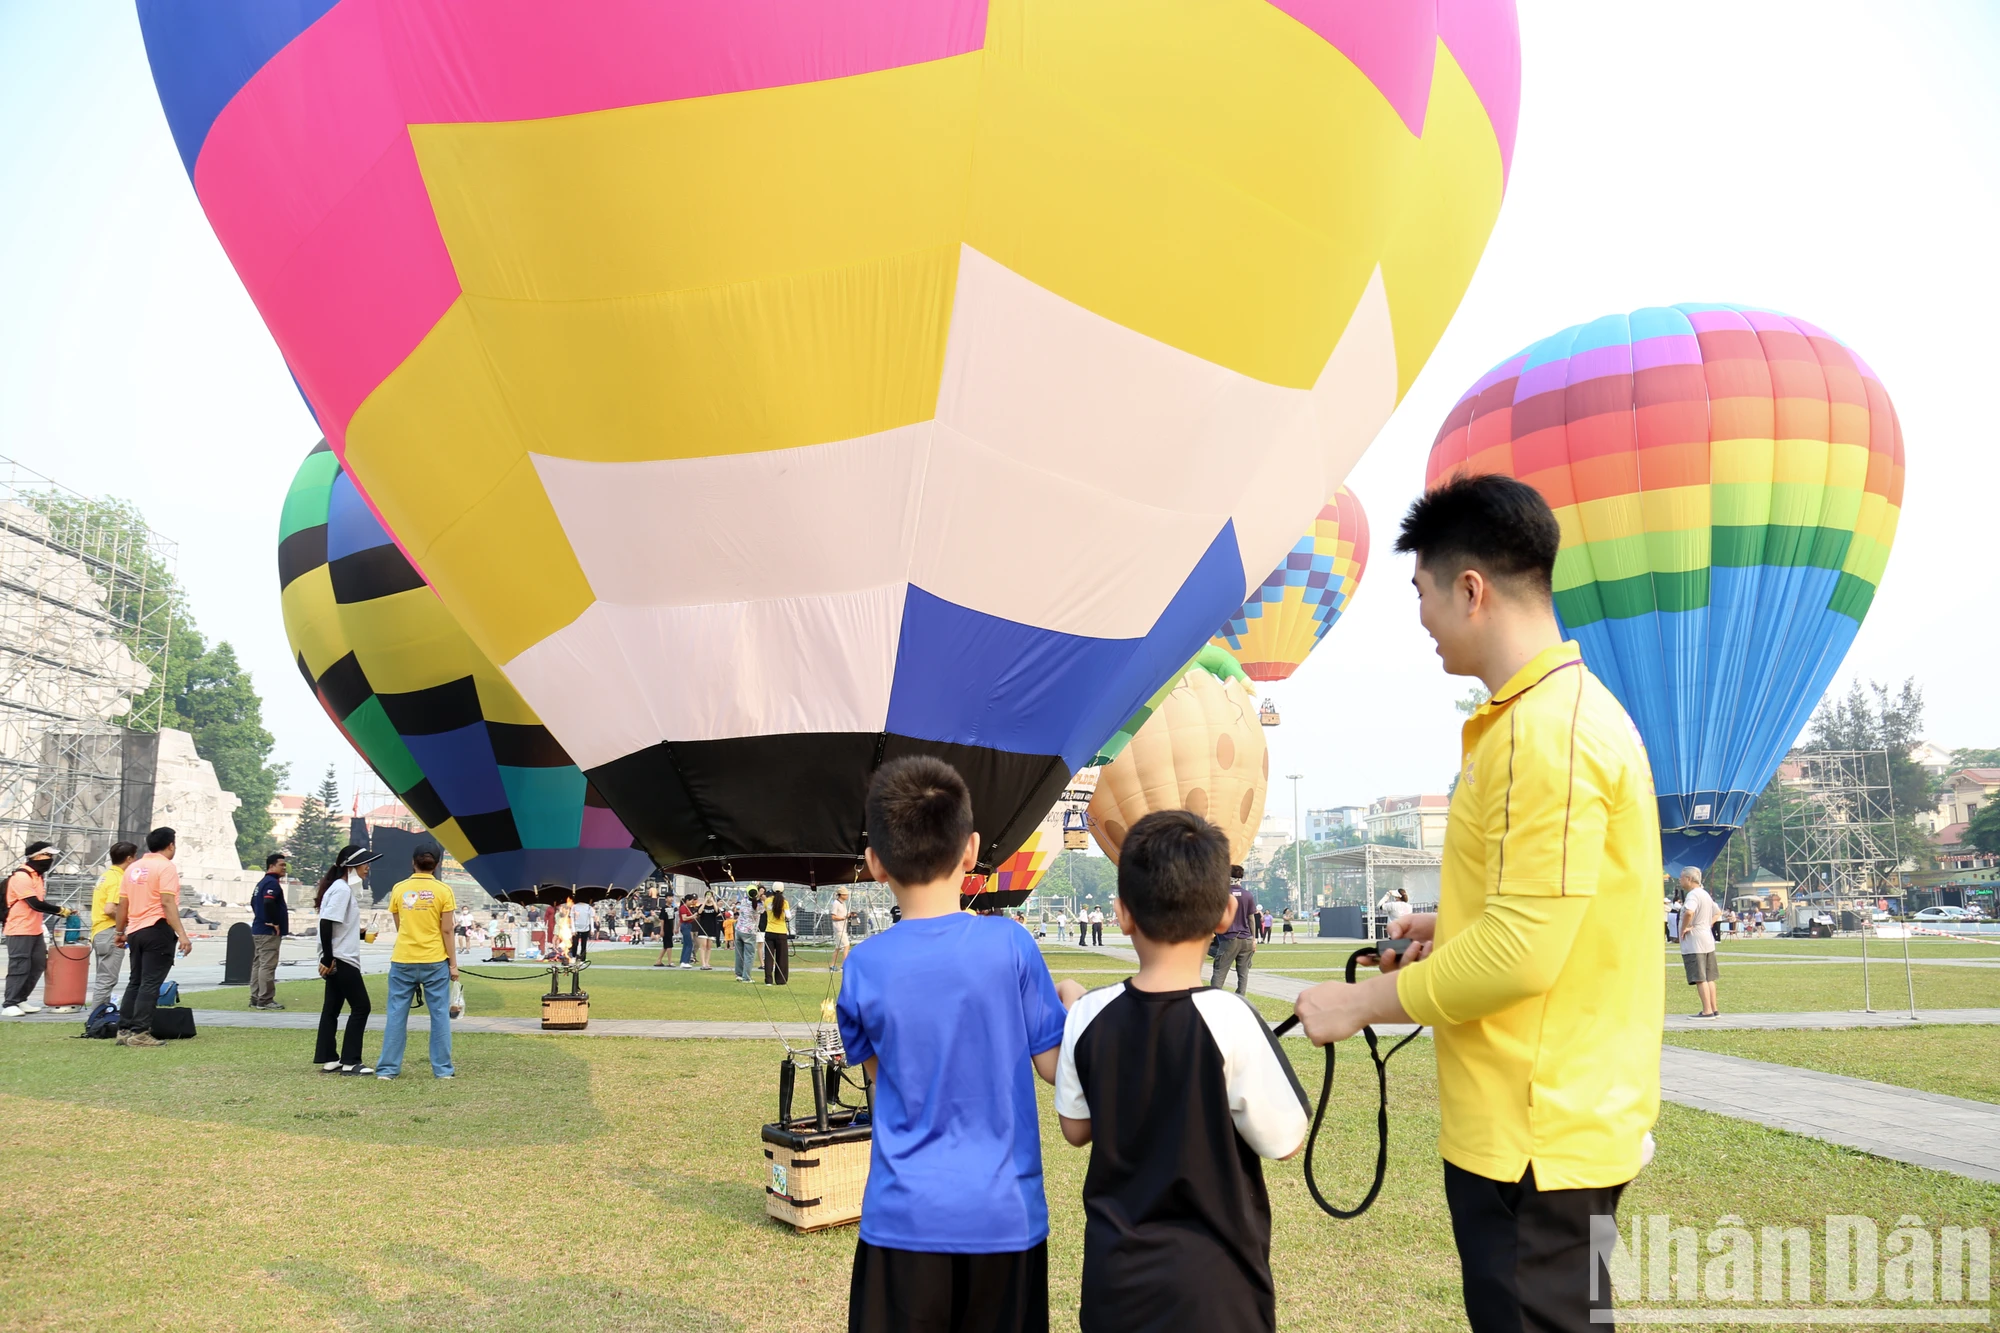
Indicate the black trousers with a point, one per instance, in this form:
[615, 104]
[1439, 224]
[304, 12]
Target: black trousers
[580, 945]
[777, 959]
[914, 1291]
[345, 986]
[1524, 1253]
[27, 959]
[152, 957]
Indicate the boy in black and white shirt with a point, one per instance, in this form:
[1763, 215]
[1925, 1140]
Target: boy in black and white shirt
[1179, 1089]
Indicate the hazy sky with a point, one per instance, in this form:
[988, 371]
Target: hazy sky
[1838, 161]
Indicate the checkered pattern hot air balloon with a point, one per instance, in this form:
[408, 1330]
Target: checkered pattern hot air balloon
[1728, 481]
[1287, 616]
[428, 712]
[689, 347]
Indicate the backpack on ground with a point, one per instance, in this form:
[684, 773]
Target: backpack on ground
[102, 1021]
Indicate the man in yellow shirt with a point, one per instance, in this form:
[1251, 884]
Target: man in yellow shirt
[107, 942]
[1540, 970]
[426, 956]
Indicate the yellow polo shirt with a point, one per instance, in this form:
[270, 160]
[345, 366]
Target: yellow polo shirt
[1544, 988]
[419, 904]
[104, 898]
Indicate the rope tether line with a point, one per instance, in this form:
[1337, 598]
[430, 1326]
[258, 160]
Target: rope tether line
[1381, 1063]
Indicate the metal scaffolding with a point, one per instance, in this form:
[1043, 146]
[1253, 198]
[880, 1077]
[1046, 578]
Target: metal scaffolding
[1839, 825]
[86, 612]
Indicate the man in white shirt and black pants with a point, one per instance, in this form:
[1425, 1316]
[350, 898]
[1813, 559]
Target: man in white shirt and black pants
[582, 917]
[1698, 939]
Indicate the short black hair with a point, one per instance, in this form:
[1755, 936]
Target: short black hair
[121, 852]
[160, 839]
[1500, 526]
[424, 859]
[1173, 876]
[269, 861]
[918, 816]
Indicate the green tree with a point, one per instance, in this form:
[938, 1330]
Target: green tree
[1472, 700]
[320, 833]
[1965, 757]
[1984, 830]
[216, 703]
[1081, 876]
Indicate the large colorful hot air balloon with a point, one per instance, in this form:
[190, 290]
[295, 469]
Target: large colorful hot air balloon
[431, 716]
[1296, 605]
[1728, 481]
[689, 347]
[1201, 750]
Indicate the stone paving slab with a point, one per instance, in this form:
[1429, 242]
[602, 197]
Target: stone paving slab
[1922, 1128]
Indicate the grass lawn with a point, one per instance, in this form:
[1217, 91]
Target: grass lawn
[617, 1184]
[1957, 1061]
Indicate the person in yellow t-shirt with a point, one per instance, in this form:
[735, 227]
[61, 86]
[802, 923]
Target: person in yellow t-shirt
[107, 942]
[1540, 970]
[426, 957]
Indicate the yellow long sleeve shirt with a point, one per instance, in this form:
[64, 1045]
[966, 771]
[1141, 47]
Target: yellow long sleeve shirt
[1544, 986]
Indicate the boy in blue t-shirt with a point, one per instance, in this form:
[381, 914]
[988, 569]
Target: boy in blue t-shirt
[952, 1015]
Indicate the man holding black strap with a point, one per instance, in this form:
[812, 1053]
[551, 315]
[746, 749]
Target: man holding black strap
[1540, 971]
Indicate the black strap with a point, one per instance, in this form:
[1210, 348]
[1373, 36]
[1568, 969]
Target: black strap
[1381, 1063]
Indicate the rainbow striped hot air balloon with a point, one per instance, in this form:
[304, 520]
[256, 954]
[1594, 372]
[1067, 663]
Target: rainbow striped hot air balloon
[687, 347]
[1299, 600]
[1728, 482]
[428, 712]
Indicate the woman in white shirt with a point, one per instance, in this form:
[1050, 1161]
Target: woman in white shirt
[339, 905]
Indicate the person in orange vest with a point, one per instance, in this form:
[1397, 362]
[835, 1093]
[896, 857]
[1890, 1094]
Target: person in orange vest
[27, 945]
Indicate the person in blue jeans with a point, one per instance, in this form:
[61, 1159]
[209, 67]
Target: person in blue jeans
[426, 958]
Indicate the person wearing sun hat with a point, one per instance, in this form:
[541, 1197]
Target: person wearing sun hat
[339, 905]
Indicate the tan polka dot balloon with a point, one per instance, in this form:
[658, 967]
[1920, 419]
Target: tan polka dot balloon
[1202, 750]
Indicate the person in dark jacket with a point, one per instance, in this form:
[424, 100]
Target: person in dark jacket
[270, 922]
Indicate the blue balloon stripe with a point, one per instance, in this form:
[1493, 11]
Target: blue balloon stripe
[462, 770]
[501, 873]
[204, 51]
[350, 524]
[967, 677]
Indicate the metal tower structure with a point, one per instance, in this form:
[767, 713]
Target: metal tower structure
[1841, 847]
[1840, 827]
[86, 616]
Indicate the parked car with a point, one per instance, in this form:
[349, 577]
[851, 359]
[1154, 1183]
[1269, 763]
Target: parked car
[1941, 914]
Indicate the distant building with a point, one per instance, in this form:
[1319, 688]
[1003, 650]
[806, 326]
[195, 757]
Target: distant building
[284, 810]
[1933, 759]
[1418, 820]
[1965, 792]
[1326, 825]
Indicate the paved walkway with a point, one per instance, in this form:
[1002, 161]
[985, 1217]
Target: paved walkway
[1922, 1128]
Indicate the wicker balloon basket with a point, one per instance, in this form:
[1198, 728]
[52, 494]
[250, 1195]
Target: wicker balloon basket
[565, 1012]
[817, 1177]
[817, 1164]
